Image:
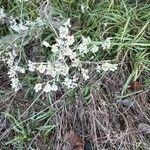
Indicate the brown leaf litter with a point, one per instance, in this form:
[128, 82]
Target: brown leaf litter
[72, 141]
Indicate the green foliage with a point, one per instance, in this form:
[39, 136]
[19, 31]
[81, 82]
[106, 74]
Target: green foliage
[86, 93]
[22, 131]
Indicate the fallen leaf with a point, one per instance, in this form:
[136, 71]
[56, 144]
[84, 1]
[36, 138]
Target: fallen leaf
[136, 86]
[72, 141]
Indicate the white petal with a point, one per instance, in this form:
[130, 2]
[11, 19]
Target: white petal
[54, 87]
[38, 87]
[47, 88]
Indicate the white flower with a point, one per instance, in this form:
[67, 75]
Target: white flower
[15, 84]
[68, 52]
[73, 56]
[61, 68]
[48, 88]
[46, 44]
[85, 73]
[94, 49]
[114, 67]
[41, 68]
[69, 83]
[83, 47]
[63, 32]
[18, 27]
[49, 69]
[64, 70]
[75, 78]
[76, 63]
[29, 23]
[70, 40]
[12, 72]
[60, 42]
[38, 87]
[98, 68]
[109, 67]
[54, 48]
[106, 66]
[13, 69]
[9, 61]
[107, 43]
[54, 87]
[31, 66]
[13, 51]
[19, 69]
[86, 41]
[67, 23]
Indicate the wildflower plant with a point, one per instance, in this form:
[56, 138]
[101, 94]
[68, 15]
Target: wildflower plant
[9, 57]
[65, 69]
[68, 56]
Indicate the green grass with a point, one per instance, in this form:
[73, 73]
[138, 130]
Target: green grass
[30, 116]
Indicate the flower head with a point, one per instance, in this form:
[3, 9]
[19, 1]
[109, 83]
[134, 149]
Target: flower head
[15, 84]
[41, 68]
[94, 49]
[18, 27]
[38, 87]
[48, 88]
[85, 73]
[107, 67]
[107, 43]
[69, 83]
[31, 66]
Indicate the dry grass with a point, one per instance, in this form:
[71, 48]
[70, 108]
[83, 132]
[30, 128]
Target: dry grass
[107, 122]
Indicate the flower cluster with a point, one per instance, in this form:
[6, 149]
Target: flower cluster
[59, 67]
[46, 88]
[86, 46]
[64, 50]
[9, 59]
[18, 26]
[107, 67]
[107, 43]
[67, 58]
